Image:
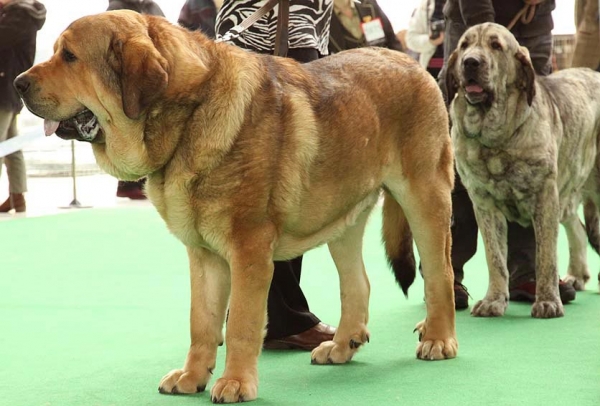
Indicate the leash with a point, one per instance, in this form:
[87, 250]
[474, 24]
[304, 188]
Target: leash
[281, 34]
[526, 14]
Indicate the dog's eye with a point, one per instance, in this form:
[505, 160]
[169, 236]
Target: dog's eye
[496, 45]
[464, 45]
[68, 56]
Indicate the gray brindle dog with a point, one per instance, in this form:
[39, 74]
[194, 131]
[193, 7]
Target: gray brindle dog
[527, 151]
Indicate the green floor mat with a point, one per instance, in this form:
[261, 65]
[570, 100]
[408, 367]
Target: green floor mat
[94, 311]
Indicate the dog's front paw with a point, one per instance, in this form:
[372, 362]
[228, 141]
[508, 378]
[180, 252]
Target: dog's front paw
[237, 390]
[578, 283]
[490, 308]
[547, 309]
[180, 381]
[434, 348]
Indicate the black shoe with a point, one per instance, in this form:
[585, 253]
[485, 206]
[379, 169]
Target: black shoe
[567, 292]
[461, 296]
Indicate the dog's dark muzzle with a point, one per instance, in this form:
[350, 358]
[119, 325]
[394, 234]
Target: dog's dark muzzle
[82, 127]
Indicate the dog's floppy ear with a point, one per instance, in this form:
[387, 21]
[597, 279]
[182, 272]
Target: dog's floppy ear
[450, 79]
[142, 71]
[527, 74]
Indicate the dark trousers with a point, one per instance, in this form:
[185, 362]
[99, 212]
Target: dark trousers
[287, 308]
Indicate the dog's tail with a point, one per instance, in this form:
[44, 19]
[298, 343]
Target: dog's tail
[398, 241]
[592, 224]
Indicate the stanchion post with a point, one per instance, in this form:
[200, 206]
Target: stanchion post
[75, 204]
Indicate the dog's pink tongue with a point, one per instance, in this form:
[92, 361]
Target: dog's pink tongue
[50, 127]
[474, 89]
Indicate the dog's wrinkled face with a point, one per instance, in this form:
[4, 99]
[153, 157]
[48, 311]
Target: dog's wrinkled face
[488, 60]
[94, 78]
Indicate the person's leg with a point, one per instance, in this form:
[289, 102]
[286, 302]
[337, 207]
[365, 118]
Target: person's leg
[15, 164]
[521, 266]
[290, 322]
[5, 121]
[287, 307]
[464, 239]
[464, 230]
[521, 255]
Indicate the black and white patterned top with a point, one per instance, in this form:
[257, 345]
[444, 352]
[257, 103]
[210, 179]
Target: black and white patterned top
[308, 26]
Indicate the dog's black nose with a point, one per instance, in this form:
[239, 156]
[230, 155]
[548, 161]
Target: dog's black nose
[471, 63]
[22, 84]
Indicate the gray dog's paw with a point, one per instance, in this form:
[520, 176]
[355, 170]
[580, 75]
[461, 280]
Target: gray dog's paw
[489, 308]
[547, 309]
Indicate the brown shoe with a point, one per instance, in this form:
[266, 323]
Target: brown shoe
[15, 201]
[307, 340]
[525, 292]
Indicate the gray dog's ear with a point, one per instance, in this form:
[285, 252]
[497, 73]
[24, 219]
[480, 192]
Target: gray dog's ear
[527, 74]
[142, 71]
[450, 78]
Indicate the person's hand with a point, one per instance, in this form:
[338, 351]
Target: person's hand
[438, 41]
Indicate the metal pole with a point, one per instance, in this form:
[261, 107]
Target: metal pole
[74, 175]
[74, 203]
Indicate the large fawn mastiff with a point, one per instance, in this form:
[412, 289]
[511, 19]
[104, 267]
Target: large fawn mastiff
[252, 158]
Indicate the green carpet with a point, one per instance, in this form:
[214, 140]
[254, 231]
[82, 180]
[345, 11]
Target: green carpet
[94, 311]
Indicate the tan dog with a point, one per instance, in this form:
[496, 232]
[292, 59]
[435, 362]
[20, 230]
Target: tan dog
[527, 151]
[253, 158]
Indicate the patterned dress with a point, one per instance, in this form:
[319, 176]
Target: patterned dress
[308, 26]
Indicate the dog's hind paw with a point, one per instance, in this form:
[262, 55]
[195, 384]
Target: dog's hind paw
[332, 352]
[577, 282]
[431, 349]
[180, 381]
[547, 309]
[490, 308]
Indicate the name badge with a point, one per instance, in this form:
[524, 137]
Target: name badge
[373, 31]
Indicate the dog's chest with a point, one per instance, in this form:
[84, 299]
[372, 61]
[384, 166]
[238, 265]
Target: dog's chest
[174, 203]
[496, 178]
